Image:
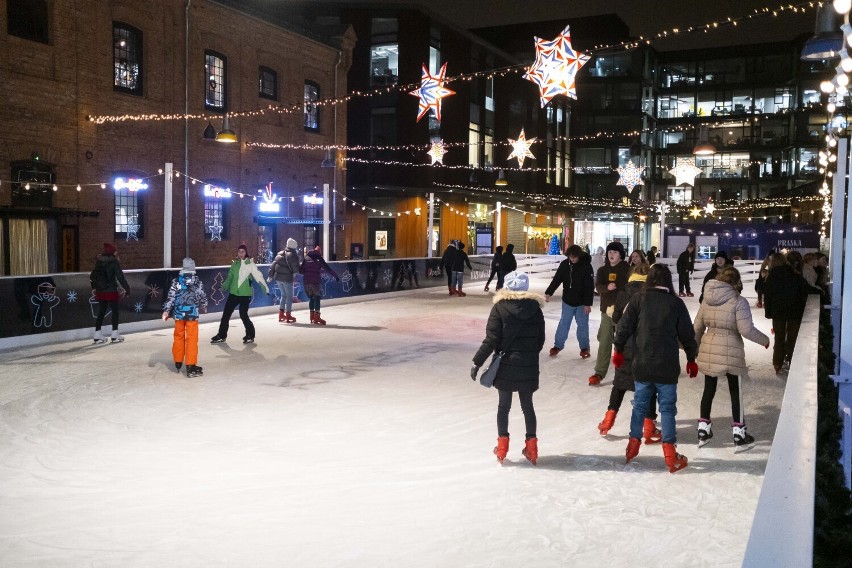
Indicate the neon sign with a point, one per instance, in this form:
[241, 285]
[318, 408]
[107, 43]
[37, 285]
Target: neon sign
[217, 192]
[129, 184]
[312, 200]
[270, 200]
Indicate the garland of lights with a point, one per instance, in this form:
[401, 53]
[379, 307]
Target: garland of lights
[499, 72]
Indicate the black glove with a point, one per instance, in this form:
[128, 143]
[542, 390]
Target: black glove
[473, 372]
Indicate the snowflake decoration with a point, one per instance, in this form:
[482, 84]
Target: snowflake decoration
[387, 276]
[629, 176]
[215, 232]
[695, 213]
[71, 296]
[132, 229]
[153, 291]
[521, 148]
[685, 171]
[431, 92]
[437, 152]
[137, 307]
[556, 66]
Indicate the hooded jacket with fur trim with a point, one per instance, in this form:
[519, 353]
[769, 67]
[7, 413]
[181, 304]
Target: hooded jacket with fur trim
[515, 314]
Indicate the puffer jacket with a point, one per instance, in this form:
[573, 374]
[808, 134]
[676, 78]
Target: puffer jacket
[240, 275]
[186, 297]
[623, 379]
[114, 276]
[285, 265]
[661, 324]
[515, 314]
[312, 268]
[723, 320]
[784, 294]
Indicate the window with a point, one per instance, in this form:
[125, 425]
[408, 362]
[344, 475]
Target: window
[127, 58]
[474, 139]
[28, 19]
[214, 90]
[383, 126]
[215, 219]
[32, 184]
[268, 84]
[128, 214]
[384, 64]
[311, 108]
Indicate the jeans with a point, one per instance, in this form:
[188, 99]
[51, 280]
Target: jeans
[458, 280]
[569, 313]
[605, 334]
[504, 405]
[231, 303]
[314, 303]
[616, 397]
[286, 295]
[667, 398]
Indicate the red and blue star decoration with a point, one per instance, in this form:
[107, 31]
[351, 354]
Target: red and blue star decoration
[556, 66]
[431, 92]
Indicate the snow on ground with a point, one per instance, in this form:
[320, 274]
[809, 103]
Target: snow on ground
[360, 444]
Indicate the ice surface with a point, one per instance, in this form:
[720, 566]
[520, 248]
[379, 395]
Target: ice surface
[360, 444]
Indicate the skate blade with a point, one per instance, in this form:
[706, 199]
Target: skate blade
[116, 340]
[702, 443]
[100, 341]
[743, 448]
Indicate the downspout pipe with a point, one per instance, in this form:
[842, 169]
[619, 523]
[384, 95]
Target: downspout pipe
[186, 133]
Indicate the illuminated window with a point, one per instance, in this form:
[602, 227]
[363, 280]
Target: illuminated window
[268, 84]
[214, 89]
[127, 59]
[384, 64]
[312, 95]
[128, 203]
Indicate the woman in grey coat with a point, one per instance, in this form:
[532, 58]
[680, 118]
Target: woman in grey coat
[283, 269]
[516, 326]
[723, 320]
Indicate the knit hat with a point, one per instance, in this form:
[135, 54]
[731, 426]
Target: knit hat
[110, 248]
[292, 244]
[618, 247]
[318, 249]
[188, 265]
[517, 282]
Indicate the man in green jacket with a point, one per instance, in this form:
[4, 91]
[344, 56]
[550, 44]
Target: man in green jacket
[238, 285]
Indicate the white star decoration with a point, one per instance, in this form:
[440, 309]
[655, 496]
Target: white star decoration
[431, 92]
[629, 176]
[521, 148]
[437, 152]
[710, 208]
[685, 171]
[556, 66]
[215, 232]
[132, 229]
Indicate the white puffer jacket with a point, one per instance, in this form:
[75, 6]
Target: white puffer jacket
[723, 319]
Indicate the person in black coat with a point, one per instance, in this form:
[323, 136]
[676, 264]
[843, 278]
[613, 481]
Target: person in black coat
[578, 286]
[516, 328]
[720, 261]
[106, 291]
[784, 297]
[495, 268]
[660, 324]
[447, 263]
[652, 256]
[459, 261]
[685, 267]
[507, 262]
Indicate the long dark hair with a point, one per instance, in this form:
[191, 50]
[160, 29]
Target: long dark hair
[660, 275]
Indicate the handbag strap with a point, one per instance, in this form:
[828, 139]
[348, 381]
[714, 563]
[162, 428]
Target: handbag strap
[514, 335]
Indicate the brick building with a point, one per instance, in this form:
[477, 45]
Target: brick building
[72, 180]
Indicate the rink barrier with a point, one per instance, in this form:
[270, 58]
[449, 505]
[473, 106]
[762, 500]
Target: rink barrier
[52, 308]
[782, 533]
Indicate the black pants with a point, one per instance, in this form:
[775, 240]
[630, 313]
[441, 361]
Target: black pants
[736, 397]
[683, 282]
[449, 270]
[231, 303]
[104, 306]
[504, 405]
[786, 332]
[616, 397]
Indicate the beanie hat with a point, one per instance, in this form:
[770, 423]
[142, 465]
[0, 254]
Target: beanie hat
[517, 281]
[291, 243]
[722, 254]
[188, 265]
[461, 246]
[618, 247]
[110, 248]
[318, 249]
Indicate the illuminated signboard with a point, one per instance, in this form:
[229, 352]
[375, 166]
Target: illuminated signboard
[217, 192]
[269, 203]
[312, 200]
[129, 184]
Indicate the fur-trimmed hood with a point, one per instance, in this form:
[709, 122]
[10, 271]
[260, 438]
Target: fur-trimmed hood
[505, 294]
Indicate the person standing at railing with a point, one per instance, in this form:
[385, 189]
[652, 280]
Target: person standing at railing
[723, 320]
[685, 267]
[784, 303]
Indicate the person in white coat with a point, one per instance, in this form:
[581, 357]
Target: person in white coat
[723, 320]
[598, 260]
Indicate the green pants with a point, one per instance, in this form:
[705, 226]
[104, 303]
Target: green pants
[605, 335]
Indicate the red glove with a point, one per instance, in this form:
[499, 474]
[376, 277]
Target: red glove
[692, 369]
[618, 359]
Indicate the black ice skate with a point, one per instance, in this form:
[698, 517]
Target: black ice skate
[743, 441]
[705, 432]
[248, 339]
[193, 371]
[178, 365]
[217, 339]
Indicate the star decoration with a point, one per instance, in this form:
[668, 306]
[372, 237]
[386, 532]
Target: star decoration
[710, 208]
[521, 148]
[431, 92]
[153, 291]
[629, 176]
[685, 171]
[555, 67]
[437, 152]
[138, 307]
[695, 213]
[215, 232]
[132, 230]
[71, 296]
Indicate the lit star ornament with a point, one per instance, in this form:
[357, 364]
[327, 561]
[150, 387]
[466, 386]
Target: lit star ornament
[695, 213]
[685, 171]
[629, 176]
[710, 208]
[556, 66]
[437, 152]
[521, 148]
[431, 92]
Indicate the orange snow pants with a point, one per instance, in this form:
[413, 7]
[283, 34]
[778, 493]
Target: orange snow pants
[185, 346]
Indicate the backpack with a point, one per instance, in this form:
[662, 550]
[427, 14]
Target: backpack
[98, 278]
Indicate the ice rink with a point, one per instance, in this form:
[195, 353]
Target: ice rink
[363, 443]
